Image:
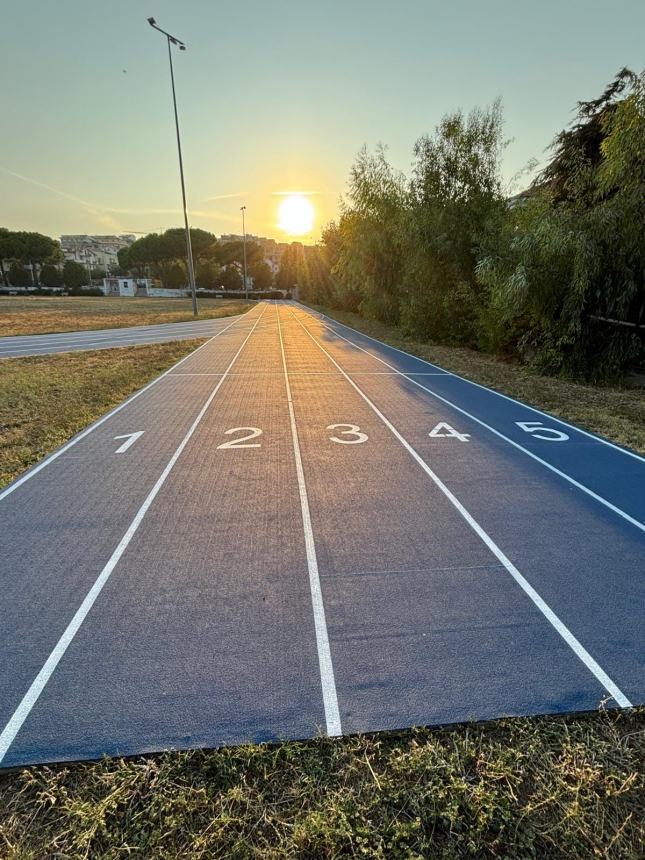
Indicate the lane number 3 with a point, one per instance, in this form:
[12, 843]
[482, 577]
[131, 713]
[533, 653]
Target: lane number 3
[537, 429]
[351, 430]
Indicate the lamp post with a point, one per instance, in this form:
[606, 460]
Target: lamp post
[246, 283]
[189, 250]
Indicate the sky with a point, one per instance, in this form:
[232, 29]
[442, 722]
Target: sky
[273, 97]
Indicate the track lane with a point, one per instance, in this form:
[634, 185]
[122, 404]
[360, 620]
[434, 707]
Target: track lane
[582, 559]
[204, 633]
[617, 478]
[426, 626]
[18, 346]
[60, 527]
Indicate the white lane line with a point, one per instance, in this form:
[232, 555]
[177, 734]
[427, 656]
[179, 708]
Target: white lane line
[50, 459]
[579, 650]
[537, 411]
[330, 697]
[33, 693]
[141, 340]
[95, 335]
[632, 520]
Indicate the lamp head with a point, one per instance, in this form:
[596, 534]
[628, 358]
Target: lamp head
[151, 21]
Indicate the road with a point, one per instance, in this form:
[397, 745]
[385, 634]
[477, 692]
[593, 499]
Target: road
[298, 530]
[44, 344]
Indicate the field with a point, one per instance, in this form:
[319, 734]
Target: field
[43, 315]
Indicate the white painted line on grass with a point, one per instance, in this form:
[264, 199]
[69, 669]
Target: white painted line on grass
[40, 681]
[330, 697]
[50, 459]
[632, 520]
[619, 697]
[593, 436]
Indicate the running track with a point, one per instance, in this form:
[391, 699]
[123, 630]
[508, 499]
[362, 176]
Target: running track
[45, 344]
[313, 533]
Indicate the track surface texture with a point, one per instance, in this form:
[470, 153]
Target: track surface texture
[313, 533]
[45, 344]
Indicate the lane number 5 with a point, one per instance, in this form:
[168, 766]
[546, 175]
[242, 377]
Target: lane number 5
[537, 429]
[351, 430]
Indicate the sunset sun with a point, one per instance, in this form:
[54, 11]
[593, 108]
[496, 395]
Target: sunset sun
[296, 215]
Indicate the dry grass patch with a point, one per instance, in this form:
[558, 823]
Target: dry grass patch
[41, 315]
[529, 788]
[615, 412]
[44, 400]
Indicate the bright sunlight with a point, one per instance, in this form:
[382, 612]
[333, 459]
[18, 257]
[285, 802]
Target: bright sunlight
[296, 215]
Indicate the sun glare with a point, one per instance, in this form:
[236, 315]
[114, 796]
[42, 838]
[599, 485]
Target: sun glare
[296, 215]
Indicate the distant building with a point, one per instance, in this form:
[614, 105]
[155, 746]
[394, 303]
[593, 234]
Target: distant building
[127, 286]
[95, 251]
[272, 250]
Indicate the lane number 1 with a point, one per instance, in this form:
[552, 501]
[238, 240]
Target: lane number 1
[130, 439]
[537, 429]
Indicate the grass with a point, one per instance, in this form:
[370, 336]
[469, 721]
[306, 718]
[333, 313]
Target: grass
[41, 315]
[552, 787]
[539, 788]
[615, 412]
[44, 400]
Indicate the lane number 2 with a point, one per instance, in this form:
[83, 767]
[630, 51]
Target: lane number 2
[242, 441]
[350, 430]
[442, 430]
[537, 429]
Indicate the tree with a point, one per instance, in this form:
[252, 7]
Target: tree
[230, 278]
[262, 275]
[19, 276]
[174, 276]
[207, 275]
[74, 275]
[50, 276]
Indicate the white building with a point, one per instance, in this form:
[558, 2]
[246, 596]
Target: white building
[127, 286]
[95, 251]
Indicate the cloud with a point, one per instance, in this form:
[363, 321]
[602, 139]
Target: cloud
[105, 214]
[101, 214]
[303, 193]
[226, 196]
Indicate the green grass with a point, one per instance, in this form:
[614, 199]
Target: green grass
[615, 412]
[569, 787]
[40, 315]
[540, 788]
[44, 400]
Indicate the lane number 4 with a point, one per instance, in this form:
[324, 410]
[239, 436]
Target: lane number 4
[445, 430]
[537, 429]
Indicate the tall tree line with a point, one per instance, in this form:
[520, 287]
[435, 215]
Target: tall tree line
[554, 276]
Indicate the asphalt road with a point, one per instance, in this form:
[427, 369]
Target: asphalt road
[314, 533]
[44, 344]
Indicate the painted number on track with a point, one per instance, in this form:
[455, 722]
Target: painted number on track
[442, 430]
[130, 439]
[537, 429]
[351, 430]
[243, 441]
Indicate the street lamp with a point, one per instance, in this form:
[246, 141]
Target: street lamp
[189, 249]
[246, 283]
